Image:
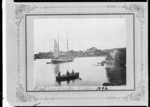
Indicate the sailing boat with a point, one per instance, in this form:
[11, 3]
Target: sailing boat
[57, 58]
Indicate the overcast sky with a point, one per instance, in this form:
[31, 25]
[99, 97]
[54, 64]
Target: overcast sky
[102, 33]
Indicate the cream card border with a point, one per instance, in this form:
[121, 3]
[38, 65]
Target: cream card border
[139, 96]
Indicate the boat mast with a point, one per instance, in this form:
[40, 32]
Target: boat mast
[55, 49]
[67, 42]
[58, 43]
[67, 45]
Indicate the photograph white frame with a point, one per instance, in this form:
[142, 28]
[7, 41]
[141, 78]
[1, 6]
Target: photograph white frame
[130, 86]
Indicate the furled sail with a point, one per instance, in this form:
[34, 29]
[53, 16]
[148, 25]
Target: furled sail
[57, 58]
[56, 49]
[67, 46]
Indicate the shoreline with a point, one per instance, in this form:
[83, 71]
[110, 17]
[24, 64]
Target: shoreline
[74, 57]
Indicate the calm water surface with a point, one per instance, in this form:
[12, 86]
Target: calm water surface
[90, 74]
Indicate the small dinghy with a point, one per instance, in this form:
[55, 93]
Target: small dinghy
[48, 62]
[71, 76]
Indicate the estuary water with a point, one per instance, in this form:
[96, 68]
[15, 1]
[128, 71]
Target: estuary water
[90, 72]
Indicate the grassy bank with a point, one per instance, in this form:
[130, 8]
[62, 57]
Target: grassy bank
[117, 74]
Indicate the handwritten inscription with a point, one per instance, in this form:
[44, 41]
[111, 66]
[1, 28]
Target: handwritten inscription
[103, 88]
[99, 88]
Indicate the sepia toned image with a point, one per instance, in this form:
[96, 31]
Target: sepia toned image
[80, 52]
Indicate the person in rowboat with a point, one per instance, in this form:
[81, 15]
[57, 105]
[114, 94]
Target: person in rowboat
[72, 71]
[67, 73]
[59, 74]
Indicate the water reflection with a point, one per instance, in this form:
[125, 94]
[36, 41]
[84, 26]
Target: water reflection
[56, 69]
[59, 82]
[68, 82]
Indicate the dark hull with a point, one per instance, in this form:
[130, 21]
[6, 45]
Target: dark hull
[55, 61]
[66, 78]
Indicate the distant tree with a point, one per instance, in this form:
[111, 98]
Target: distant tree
[72, 51]
[98, 52]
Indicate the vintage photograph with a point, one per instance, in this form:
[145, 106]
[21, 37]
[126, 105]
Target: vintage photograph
[79, 52]
[64, 54]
